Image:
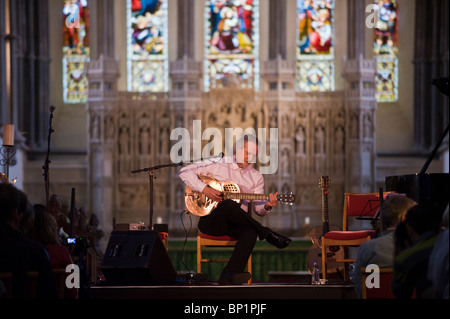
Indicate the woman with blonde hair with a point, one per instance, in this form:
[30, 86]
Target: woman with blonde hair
[45, 231]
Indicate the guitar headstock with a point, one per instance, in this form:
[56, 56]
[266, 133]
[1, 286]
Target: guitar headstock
[324, 182]
[286, 199]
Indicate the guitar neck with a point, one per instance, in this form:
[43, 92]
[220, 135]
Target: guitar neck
[247, 196]
[326, 225]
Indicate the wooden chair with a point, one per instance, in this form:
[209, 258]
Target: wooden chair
[363, 205]
[30, 290]
[204, 240]
[384, 291]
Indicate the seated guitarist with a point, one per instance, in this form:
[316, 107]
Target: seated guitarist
[229, 217]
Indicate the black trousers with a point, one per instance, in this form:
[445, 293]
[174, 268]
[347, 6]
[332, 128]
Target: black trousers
[229, 219]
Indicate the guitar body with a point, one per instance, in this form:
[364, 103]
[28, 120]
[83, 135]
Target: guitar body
[315, 252]
[200, 205]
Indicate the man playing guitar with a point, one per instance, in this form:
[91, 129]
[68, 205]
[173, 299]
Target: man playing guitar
[230, 217]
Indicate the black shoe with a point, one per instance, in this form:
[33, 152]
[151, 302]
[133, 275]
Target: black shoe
[234, 278]
[278, 240]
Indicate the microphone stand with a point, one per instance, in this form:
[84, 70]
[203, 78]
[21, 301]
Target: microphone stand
[47, 160]
[151, 175]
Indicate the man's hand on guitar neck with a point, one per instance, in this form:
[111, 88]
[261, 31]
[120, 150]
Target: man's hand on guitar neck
[272, 202]
[213, 194]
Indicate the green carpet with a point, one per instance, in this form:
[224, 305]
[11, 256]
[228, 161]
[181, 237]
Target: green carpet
[265, 257]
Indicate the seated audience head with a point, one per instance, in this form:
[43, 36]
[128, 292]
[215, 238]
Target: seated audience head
[45, 228]
[394, 209]
[13, 203]
[419, 220]
[28, 219]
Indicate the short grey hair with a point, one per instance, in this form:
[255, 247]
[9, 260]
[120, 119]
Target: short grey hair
[394, 208]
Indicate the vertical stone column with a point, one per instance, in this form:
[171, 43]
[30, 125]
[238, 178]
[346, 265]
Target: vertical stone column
[356, 29]
[102, 105]
[360, 107]
[24, 76]
[431, 55]
[185, 95]
[278, 106]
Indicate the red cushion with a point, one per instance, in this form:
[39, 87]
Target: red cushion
[349, 235]
[223, 238]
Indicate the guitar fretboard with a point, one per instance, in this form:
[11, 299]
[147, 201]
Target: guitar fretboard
[326, 226]
[248, 196]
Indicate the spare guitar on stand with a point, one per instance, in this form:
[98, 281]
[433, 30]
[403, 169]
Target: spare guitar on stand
[315, 252]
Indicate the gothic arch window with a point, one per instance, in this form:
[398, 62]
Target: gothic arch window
[385, 47]
[315, 46]
[147, 56]
[231, 44]
[76, 50]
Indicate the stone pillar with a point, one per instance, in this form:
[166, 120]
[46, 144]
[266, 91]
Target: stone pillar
[102, 105]
[360, 108]
[279, 106]
[356, 28]
[185, 97]
[431, 55]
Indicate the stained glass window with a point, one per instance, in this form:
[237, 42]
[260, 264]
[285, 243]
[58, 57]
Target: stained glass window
[315, 45]
[386, 50]
[231, 43]
[76, 50]
[148, 62]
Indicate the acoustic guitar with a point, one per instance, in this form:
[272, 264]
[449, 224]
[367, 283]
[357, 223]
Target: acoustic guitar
[315, 252]
[200, 205]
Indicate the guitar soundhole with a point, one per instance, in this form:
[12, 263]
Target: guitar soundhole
[334, 248]
[329, 254]
[230, 188]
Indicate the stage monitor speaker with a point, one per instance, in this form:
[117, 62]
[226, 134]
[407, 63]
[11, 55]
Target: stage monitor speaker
[137, 258]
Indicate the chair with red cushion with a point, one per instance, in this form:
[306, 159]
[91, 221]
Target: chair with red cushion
[362, 205]
[204, 240]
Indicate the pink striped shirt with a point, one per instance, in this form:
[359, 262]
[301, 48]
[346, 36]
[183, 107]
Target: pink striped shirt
[226, 170]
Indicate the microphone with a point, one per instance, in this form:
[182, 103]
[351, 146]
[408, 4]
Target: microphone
[52, 108]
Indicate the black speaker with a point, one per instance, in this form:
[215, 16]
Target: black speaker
[137, 258]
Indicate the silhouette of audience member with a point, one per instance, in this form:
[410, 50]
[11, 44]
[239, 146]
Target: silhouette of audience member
[46, 232]
[415, 238]
[55, 208]
[27, 221]
[438, 271]
[380, 250]
[18, 254]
